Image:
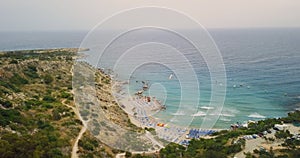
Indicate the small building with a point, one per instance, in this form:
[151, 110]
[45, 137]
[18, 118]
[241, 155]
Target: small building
[281, 127]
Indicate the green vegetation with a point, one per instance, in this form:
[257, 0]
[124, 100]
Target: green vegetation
[90, 147]
[292, 117]
[31, 114]
[128, 154]
[10, 116]
[282, 134]
[33, 121]
[5, 103]
[216, 147]
[88, 144]
[18, 80]
[31, 71]
[226, 143]
[44, 143]
[48, 79]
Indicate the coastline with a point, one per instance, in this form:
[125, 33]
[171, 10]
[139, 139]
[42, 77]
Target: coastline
[75, 50]
[163, 131]
[146, 121]
[141, 111]
[170, 134]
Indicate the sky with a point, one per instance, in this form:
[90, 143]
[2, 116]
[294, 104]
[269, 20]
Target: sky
[30, 15]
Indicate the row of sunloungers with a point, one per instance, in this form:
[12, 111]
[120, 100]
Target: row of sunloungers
[184, 142]
[197, 133]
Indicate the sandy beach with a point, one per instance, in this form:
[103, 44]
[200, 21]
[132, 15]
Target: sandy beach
[141, 110]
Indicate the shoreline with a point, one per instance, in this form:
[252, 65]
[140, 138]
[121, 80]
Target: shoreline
[47, 50]
[129, 101]
[141, 111]
[79, 50]
[132, 119]
[83, 54]
[150, 122]
[146, 107]
[253, 117]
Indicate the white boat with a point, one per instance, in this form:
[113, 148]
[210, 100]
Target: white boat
[170, 77]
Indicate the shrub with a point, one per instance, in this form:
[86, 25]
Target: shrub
[282, 134]
[14, 61]
[65, 95]
[31, 74]
[8, 116]
[48, 79]
[49, 98]
[56, 115]
[86, 145]
[18, 80]
[128, 154]
[6, 103]
[9, 86]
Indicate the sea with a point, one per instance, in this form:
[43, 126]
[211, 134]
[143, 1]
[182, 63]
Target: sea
[262, 70]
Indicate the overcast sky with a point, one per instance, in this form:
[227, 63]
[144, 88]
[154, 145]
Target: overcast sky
[19, 15]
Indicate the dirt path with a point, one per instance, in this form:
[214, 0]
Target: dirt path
[83, 129]
[121, 155]
[75, 145]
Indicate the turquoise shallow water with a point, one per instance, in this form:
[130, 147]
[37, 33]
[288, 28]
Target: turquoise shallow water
[262, 69]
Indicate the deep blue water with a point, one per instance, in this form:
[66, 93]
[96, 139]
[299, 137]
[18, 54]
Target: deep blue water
[38, 40]
[268, 61]
[262, 69]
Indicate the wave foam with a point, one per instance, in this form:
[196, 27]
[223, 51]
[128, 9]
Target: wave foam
[227, 115]
[207, 107]
[225, 119]
[199, 113]
[179, 113]
[256, 115]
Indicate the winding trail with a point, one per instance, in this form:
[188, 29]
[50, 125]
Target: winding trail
[75, 146]
[83, 129]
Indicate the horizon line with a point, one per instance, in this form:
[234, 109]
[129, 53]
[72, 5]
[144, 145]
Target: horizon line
[208, 28]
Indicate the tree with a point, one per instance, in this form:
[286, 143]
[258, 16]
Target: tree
[128, 154]
[282, 134]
